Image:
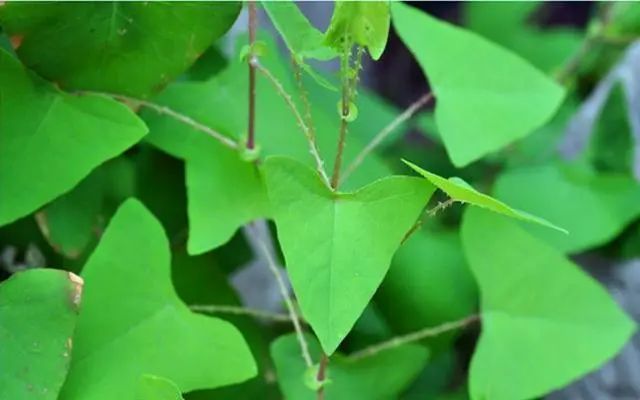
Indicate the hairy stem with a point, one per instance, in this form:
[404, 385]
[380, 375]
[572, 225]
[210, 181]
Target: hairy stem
[251, 129]
[349, 87]
[385, 132]
[304, 97]
[442, 205]
[237, 310]
[164, 110]
[311, 140]
[413, 337]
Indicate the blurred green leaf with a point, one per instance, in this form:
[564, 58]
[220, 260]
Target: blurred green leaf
[594, 208]
[611, 146]
[302, 38]
[501, 100]
[378, 377]
[544, 322]
[71, 221]
[38, 311]
[506, 23]
[123, 47]
[430, 277]
[339, 256]
[50, 140]
[132, 322]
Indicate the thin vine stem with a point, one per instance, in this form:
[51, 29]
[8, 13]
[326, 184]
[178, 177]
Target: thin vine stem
[311, 140]
[385, 132]
[442, 205]
[251, 129]
[293, 314]
[304, 97]
[164, 110]
[349, 90]
[237, 310]
[413, 337]
[322, 375]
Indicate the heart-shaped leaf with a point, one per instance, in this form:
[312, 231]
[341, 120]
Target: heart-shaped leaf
[461, 191]
[503, 99]
[132, 322]
[38, 311]
[377, 377]
[338, 246]
[50, 140]
[122, 47]
[593, 207]
[544, 322]
[365, 23]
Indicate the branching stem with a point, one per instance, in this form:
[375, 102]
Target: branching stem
[385, 132]
[311, 140]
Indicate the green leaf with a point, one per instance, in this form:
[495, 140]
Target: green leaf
[363, 23]
[50, 140]
[509, 24]
[459, 190]
[595, 208]
[302, 38]
[381, 376]
[430, 277]
[38, 311]
[214, 214]
[611, 146]
[71, 221]
[151, 387]
[132, 322]
[544, 322]
[339, 255]
[503, 100]
[124, 47]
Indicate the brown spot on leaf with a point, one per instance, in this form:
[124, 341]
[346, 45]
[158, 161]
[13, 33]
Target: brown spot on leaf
[76, 293]
[16, 41]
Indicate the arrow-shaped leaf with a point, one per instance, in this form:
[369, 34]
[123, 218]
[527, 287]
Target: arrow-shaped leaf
[50, 140]
[502, 99]
[544, 322]
[132, 322]
[338, 246]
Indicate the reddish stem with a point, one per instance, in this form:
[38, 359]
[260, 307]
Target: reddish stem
[252, 77]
